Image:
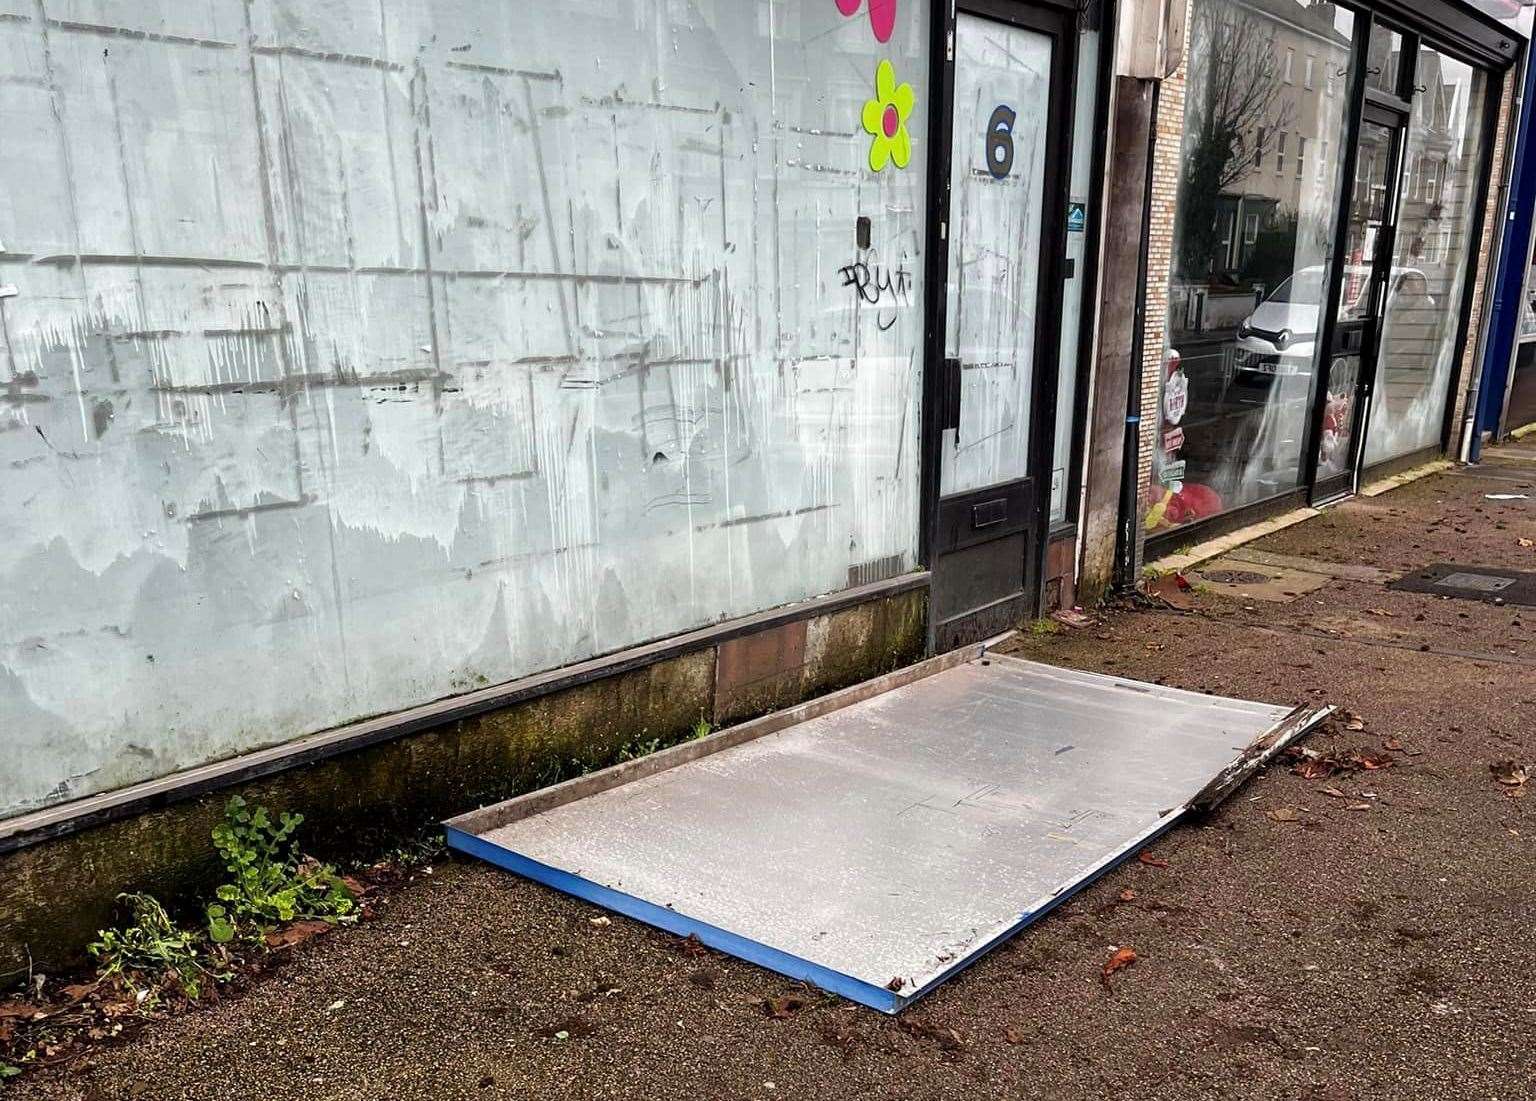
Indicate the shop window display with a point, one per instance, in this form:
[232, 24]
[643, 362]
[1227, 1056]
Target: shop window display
[1434, 243]
[1251, 251]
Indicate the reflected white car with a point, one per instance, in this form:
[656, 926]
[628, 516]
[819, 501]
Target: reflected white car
[1279, 336]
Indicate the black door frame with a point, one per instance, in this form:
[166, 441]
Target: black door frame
[1465, 40]
[1377, 110]
[953, 524]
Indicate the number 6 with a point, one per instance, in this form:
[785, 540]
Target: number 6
[1000, 141]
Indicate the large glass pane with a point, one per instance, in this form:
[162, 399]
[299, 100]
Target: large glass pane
[997, 179]
[1434, 244]
[1383, 63]
[1367, 218]
[391, 348]
[1257, 203]
[1082, 226]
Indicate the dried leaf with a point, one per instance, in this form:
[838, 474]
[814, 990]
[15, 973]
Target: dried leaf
[23, 1010]
[296, 933]
[783, 1007]
[1284, 814]
[78, 992]
[1122, 959]
[1353, 721]
[1393, 744]
[1509, 773]
[1528, 542]
[1316, 768]
[1370, 761]
[1127, 895]
[1359, 806]
[600, 922]
[1382, 612]
[1333, 792]
[1151, 861]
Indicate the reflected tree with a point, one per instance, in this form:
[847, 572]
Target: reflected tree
[1234, 116]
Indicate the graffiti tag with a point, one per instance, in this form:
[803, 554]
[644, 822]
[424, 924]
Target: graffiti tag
[874, 284]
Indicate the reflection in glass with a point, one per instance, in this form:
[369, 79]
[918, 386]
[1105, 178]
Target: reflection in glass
[1383, 61]
[1257, 205]
[997, 180]
[1079, 233]
[1430, 258]
[1367, 213]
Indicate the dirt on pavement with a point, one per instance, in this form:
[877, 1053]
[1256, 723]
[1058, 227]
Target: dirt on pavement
[1372, 941]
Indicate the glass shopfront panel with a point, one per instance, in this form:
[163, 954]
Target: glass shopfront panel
[1431, 254]
[1264, 128]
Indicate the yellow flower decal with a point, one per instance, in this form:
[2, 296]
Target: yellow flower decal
[885, 117]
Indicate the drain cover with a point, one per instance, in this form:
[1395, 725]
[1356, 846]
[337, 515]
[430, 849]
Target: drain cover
[1235, 577]
[1476, 582]
[1487, 583]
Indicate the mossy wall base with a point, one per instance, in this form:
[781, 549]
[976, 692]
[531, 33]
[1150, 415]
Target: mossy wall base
[55, 895]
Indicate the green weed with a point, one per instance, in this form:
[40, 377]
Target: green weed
[149, 949]
[272, 884]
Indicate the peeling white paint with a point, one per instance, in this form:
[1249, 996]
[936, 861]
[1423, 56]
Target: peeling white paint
[368, 351]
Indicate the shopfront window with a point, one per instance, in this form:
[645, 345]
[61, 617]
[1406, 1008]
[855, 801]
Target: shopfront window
[1431, 255]
[1244, 305]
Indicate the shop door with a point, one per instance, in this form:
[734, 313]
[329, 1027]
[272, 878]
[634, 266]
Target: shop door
[1006, 238]
[1364, 288]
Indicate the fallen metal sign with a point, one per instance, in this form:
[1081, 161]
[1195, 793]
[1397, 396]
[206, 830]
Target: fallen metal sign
[876, 842]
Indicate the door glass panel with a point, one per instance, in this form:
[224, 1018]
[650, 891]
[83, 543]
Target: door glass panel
[997, 179]
[1258, 199]
[1383, 61]
[1431, 253]
[1367, 221]
[1082, 226]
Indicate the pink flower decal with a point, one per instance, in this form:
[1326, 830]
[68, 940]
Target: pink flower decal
[882, 15]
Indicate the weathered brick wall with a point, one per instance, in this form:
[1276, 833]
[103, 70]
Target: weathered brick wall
[1167, 164]
[1469, 366]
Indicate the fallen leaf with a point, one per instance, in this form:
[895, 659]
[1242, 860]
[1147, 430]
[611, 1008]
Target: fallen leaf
[23, 1010]
[1122, 959]
[1284, 814]
[1353, 721]
[1316, 768]
[1382, 612]
[1395, 745]
[1359, 806]
[1509, 773]
[1333, 792]
[896, 983]
[783, 1007]
[1151, 861]
[600, 922]
[296, 933]
[78, 992]
[1528, 542]
[1127, 895]
[1370, 761]
[947, 1038]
